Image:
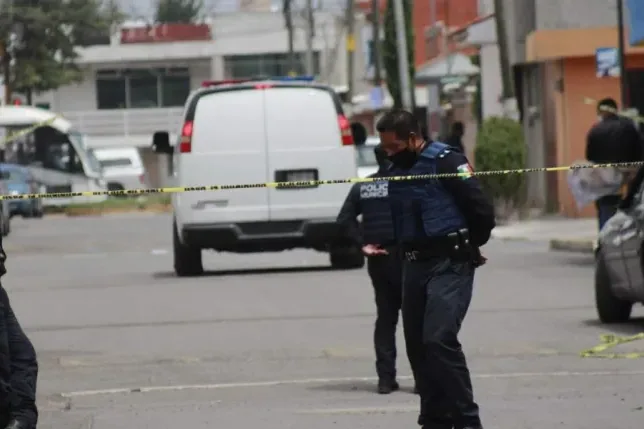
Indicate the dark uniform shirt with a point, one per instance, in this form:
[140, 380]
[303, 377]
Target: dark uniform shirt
[18, 365]
[615, 139]
[474, 204]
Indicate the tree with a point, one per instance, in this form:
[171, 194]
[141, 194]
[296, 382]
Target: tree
[178, 11]
[390, 51]
[44, 56]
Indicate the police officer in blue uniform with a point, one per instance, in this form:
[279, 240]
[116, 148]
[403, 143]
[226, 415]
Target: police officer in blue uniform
[18, 367]
[384, 264]
[439, 224]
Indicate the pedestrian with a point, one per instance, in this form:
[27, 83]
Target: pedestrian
[455, 138]
[439, 226]
[384, 264]
[18, 367]
[613, 139]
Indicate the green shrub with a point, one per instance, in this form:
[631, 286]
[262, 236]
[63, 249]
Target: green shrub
[500, 146]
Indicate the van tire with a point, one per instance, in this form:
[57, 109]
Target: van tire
[187, 260]
[610, 309]
[347, 258]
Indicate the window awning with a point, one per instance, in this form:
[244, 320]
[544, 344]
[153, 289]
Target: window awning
[453, 66]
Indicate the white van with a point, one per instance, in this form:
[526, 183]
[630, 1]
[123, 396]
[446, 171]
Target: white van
[122, 168]
[54, 152]
[242, 132]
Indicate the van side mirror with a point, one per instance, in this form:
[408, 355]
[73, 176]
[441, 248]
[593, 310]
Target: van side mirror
[359, 133]
[161, 142]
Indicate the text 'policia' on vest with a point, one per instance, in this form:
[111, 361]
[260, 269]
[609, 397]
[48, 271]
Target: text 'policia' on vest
[377, 223]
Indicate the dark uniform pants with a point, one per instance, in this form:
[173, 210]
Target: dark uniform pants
[386, 277]
[18, 368]
[436, 296]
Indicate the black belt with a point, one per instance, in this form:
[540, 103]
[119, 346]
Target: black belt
[453, 245]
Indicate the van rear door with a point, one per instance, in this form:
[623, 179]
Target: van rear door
[228, 147]
[304, 141]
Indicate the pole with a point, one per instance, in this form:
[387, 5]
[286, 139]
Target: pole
[375, 26]
[446, 50]
[621, 52]
[309, 38]
[288, 20]
[351, 47]
[502, 40]
[403, 58]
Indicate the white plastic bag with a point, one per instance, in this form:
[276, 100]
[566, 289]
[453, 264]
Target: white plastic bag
[590, 184]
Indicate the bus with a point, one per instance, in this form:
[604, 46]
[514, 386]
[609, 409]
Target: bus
[55, 153]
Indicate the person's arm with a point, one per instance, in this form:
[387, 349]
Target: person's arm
[468, 195]
[23, 366]
[348, 216]
[590, 145]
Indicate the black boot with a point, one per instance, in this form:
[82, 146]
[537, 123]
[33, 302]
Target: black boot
[387, 386]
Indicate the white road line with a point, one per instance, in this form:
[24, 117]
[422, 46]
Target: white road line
[402, 408]
[255, 384]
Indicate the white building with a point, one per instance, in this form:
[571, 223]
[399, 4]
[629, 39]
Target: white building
[131, 90]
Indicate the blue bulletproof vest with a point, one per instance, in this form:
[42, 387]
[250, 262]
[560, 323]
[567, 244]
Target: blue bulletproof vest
[377, 223]
[423, 208]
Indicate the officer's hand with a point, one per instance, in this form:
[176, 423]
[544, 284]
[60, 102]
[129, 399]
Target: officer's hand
[15, 424]
[481, 261]
[373, 250]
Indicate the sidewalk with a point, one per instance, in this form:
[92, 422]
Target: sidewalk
[572, 235]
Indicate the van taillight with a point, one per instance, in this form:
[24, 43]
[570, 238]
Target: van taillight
[345, 131]
[185, 145]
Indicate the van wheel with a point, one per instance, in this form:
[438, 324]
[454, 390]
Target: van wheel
[187, 260]
[609, 308]
[346, 258]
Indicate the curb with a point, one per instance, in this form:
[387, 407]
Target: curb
[586, 246]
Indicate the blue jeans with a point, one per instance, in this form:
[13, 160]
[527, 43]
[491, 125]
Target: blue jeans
[606, 208]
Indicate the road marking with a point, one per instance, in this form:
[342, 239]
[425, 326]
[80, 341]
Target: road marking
[402, 408]
[273, 383]
[157, 252]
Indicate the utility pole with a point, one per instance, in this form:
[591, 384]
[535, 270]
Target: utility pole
[375, 40]
[288, 21]
[446, 50]
[310, 34]
[507, 94]
[621, 55]
[403, 57]
[351, 46]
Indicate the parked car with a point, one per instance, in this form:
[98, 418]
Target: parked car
[122, 168]
[619, 272]
[5, 208]
[366, 157]
[19, 180]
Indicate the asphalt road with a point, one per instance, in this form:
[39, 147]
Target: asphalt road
[281, 341]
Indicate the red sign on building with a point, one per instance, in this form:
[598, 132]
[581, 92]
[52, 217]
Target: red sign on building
[164, 33]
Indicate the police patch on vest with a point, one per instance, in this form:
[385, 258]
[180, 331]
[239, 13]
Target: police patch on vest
[465, 171]
[374, 190]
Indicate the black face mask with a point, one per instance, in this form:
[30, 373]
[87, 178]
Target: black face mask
[404, 159]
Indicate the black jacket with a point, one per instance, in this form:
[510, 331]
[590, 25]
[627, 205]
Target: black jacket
[18, 365]
[615, 139]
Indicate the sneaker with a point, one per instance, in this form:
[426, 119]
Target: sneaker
[385, 387]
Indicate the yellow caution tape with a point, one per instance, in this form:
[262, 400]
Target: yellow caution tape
[309, 183]
[609, 341]
[26, 131]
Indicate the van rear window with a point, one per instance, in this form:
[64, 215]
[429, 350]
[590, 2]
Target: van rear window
[119, 162]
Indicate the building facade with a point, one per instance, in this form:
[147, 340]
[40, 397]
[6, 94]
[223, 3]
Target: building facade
[553, 46]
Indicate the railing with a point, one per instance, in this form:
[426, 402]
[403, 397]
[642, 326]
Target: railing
[126, 122]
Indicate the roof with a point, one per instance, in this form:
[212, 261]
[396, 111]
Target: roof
[454, 65]
[27, 115]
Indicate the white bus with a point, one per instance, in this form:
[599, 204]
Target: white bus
[54, 152]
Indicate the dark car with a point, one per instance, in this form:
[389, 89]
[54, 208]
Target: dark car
[19, 180]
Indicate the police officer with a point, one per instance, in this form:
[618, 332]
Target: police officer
[439, 225]
[383, 264]
[18, 367]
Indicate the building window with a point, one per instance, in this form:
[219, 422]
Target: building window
[142, 88]
[249, 66]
